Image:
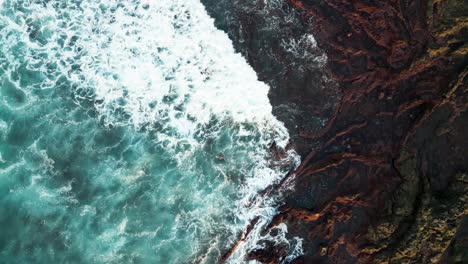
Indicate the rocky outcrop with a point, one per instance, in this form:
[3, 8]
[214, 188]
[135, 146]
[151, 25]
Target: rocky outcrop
[382, 127]
[279, 45]
[385, 180]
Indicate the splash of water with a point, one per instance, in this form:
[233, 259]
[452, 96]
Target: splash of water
[130, 132]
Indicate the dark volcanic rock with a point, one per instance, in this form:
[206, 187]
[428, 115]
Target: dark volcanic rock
[279, 45]
[384, 178]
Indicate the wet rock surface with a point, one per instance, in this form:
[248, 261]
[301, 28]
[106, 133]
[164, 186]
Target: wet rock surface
[279, 45]
[382, 126]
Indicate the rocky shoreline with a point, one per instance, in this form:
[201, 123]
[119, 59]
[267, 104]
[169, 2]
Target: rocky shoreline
[380, 120]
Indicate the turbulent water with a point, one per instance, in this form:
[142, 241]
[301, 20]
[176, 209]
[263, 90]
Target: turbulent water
[130, 132]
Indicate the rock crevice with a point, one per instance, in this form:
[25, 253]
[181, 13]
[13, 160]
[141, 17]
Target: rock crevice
[381, 126]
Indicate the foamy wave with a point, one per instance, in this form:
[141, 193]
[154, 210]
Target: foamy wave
[164, 69]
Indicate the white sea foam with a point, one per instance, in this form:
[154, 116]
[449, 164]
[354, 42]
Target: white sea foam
[163, 67]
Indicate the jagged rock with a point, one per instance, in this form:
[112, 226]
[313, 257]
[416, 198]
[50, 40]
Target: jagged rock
[384, 171]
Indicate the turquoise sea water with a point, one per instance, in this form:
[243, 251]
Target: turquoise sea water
[130, 132]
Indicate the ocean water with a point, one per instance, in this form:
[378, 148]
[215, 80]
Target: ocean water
[131, 132]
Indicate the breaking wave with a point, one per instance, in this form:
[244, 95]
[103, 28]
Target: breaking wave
[130, 131]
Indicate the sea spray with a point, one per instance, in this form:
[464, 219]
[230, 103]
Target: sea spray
[130, 132]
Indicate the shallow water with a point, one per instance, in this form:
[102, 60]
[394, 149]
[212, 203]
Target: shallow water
[130, 132]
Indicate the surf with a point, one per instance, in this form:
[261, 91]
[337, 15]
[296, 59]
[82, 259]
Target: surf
[131, 132]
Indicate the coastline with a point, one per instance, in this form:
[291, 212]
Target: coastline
[383, 177]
